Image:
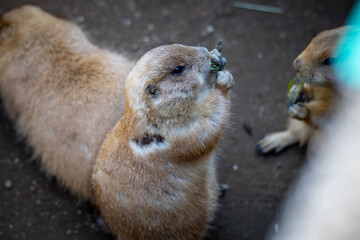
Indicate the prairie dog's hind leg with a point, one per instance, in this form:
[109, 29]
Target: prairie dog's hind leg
[297, 132]
[275, 142]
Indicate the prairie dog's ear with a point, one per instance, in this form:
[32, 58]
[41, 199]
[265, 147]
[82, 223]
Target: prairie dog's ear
[6, 31]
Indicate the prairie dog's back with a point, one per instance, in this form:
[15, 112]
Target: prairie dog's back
[64, 93]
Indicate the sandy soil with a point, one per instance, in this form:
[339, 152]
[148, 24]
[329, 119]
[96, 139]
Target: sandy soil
[259, 47]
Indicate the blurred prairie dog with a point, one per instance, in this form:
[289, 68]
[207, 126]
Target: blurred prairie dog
[155, 176]
[157, 166]
[63, 93]
[317, 99]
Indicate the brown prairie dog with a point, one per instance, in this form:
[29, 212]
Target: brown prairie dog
[315, 67]
[155, 176]
[157, 166]
[64, 93]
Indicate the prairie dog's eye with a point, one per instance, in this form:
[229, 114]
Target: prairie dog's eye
[178, 70]
[329, 61]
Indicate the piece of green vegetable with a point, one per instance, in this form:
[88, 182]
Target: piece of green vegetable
[294, 97]
[298, 90]
[214, 67]
[291, 83]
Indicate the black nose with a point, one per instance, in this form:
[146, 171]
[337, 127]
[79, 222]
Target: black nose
[297, 65]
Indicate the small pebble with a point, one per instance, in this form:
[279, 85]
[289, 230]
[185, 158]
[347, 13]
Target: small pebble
[11, 226]
[260, 55]
[8, 184]
[235, 167]
[210, 29]
[150, 27]
[137, 14]
[80, 19]
[146, 39]
[127, 22]
[68, 232]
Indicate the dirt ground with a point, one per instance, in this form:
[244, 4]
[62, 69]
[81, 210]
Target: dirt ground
[259, 47]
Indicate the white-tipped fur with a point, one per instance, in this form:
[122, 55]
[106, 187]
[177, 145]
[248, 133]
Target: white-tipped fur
[154, 176]
[167, 174]
[145, 151]
[63, 93]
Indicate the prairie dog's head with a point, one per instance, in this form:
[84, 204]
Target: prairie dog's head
[169, 81]
[315, 63]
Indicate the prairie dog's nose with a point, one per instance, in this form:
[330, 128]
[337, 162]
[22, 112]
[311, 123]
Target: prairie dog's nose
[297, 64]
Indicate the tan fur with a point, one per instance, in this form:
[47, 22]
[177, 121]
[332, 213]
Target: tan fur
[155, 175]
[319, 90]
[64, 93]
[170, 192]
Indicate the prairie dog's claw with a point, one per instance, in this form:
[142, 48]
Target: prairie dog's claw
[218, 46]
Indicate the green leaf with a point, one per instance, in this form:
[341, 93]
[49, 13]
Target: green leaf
[291, 83]
[298, 90]
[214, 67]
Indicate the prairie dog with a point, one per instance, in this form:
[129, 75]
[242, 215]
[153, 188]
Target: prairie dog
[63, 93]
[157, 166]
[315, 67]
[155, 176]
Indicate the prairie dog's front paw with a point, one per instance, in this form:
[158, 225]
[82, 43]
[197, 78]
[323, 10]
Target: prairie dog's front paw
[217, 59]
[224, 80]
[298, 111]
